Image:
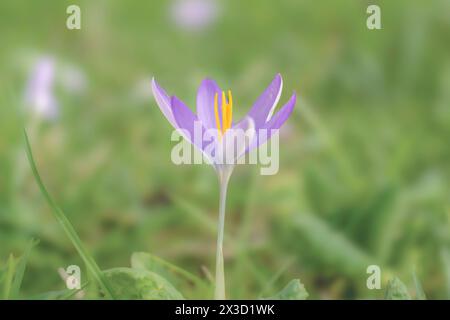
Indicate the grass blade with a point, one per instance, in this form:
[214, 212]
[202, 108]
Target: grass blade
[65, 294]
[20, 269]
[420, 294]
[445, 260]
[336, 248]
[9, 276]
[68, 228]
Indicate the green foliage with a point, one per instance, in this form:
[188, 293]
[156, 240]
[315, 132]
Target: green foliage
[396, 290]
[294, 290]
[445, 258]
[365, 152]
[331, 246]
[147, 261]
[64, 294]
[420, 294]
[8, 277]
[128, 283]
[11, 276]
[20, 270]
[67, 226]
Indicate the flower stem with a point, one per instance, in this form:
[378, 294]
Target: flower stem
[219, 293]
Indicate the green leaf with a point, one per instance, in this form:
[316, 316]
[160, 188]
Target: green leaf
[420, 294]
[445, 260]
[329, 245]
[294, 290]
[20, 269]
[52, 295]
[128, 283]
[396, 290]
[8, 277]
[64, 294]
[147, 261]
[67, 226]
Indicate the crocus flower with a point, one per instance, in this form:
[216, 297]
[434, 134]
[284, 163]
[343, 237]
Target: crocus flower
[39, 92]
[215, 116]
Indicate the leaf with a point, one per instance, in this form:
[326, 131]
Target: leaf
[269, 284]
[330, 246]
[52, 295]
[372, 213]
[396, 290]
[294, 290]
[20, 269]
[386, 223]
[420, 294]
[64, 294]
[8, 277]
[147, 261]
[66, 225]
[128, 283]
[445, 260]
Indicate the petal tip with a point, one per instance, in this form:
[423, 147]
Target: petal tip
[279, 77]
[294, 97]
[155, 86]
[208, 82]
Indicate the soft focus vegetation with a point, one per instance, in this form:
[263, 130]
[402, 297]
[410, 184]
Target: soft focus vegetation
[364, 162]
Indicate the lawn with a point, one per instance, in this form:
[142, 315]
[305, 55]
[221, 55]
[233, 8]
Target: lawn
[364, 158]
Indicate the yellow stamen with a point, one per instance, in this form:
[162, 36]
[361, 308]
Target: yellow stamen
[224, 113]
[229, 109]
[227, 112]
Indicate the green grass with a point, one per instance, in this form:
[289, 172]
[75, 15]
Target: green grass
[364, 171]
[67, 227]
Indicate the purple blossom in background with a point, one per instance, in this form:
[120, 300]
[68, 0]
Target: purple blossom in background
[194, 15]
[39, 95]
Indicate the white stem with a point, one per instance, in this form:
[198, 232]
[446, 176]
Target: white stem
[219, 293]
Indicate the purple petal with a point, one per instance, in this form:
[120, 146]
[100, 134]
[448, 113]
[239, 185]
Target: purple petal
[263, 108]
[163, 101]
[265, 132]
[187, 122]
[205, 103]
[184, 117]
[39, 93]
[281, 116]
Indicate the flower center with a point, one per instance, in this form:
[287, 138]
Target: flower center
[227, 112]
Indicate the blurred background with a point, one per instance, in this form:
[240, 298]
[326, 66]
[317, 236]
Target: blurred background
[364, 159]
